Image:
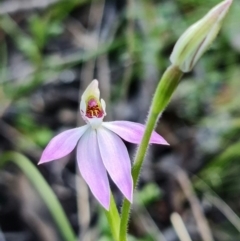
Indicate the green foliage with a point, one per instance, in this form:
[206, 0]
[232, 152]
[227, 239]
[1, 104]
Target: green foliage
[42, 29]
[39, 135]
[207, 101]
[3, 62]
[148, 194]
[44, 191]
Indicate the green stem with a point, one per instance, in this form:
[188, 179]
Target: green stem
[113, 218]
[161, 98]
[44, 191]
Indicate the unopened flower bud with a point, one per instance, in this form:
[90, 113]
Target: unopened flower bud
[198, 37]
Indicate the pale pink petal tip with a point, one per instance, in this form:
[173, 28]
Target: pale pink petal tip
[62, 144]
[128, 191]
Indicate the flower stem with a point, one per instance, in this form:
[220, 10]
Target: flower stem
[113, 218]
[161, 98]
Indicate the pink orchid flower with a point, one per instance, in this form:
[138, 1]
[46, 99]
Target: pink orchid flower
[99, 147]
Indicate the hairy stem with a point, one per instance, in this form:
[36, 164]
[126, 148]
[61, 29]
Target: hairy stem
[161, 98]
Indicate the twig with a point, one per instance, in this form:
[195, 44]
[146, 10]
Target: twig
[179, 227]
[82, 204]
[201, 220]
[131, 48]
[225, 209]
[104, 80]
[146, 222]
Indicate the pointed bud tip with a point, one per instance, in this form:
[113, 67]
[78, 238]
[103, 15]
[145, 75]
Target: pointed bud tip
[225, 5]
[221, 9]
[229, 2]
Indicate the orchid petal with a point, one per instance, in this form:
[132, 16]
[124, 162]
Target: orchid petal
[62, 144]
[132, 132]
[103, 103]
[91, 90]
[83, 108]
[116, 160]
[92, 168]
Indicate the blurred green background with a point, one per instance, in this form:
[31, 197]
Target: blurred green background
[50, 51]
